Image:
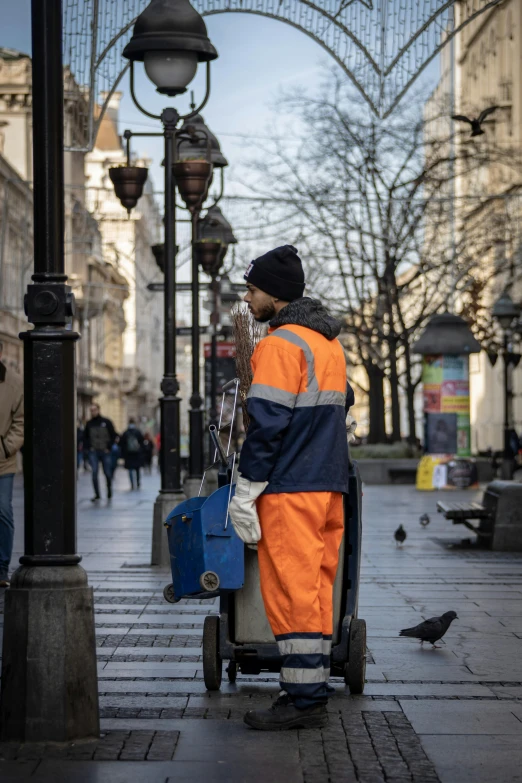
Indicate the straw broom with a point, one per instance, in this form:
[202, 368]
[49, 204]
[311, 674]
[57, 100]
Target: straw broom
[247, 334]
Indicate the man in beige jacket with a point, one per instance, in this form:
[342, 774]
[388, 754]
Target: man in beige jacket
[11, 440]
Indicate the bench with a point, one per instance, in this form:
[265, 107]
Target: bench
[461, 513]
[499, 516]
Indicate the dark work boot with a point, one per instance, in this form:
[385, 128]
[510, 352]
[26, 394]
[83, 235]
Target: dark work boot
[283, 714]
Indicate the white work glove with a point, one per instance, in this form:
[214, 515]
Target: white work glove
[351, 426]
[243, 512]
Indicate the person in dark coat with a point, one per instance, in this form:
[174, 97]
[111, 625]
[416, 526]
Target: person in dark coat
[148, 452]
[98, 438]
[131, 445]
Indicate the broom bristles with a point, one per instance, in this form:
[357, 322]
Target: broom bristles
[247, 334]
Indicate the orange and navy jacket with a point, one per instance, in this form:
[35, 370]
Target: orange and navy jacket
[297, 404]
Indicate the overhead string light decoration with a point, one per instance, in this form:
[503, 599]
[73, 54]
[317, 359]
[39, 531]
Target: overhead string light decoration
[382, 46]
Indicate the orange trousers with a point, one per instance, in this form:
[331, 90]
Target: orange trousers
[298, 556]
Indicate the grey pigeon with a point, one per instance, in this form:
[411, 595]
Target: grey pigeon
[424, 520]
[476, 123]
[400, 535]
[431, 630]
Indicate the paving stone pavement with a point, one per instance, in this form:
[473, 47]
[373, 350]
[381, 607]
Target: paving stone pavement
[451, 715]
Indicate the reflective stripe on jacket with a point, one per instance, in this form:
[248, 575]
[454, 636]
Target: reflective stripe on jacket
[296, 439]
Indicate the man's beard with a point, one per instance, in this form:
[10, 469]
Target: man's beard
[266, 314]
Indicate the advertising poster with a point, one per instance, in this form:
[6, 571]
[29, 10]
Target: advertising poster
[455, 368]
[432, 370]
[463, 436]
[432, 398]
[447, 425]
[441, 433]
[446, 404]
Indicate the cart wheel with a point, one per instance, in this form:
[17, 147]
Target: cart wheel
[212, 663]
[232, 671]
[168, 594]
[209, 581]
[355, 669]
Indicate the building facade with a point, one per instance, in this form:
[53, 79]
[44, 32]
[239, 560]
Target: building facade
[482, 70]
[127, 241]
[107, 256]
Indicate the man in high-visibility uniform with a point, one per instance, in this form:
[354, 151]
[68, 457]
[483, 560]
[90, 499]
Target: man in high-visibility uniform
[293, 472]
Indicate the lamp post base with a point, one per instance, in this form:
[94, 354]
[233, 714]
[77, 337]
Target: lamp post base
[49, 675]
[163, 505]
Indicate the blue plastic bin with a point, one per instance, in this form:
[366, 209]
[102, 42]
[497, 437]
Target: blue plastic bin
[205, 556]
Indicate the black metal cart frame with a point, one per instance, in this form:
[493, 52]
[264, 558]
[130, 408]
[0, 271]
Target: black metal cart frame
[348, 656]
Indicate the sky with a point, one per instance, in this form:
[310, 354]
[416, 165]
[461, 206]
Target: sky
[258, 59]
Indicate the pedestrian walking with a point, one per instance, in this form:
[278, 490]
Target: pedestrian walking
[11, 441]
[293, 471]
[98, 439]
[148, 452]
[131, 444]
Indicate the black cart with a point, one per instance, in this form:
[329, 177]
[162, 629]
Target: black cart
[240, 634]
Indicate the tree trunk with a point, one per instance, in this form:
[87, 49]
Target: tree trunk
[377, 428]
[410, 395]
[394, 390]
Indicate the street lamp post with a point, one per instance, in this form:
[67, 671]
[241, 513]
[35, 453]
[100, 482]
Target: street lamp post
[49, 681]
[506, 311]
[215, 231]
[197, 140]
[170, 38]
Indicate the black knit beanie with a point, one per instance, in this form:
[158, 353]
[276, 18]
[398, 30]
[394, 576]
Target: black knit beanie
[278, 273]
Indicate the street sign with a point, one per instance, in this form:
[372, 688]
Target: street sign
[187, 330]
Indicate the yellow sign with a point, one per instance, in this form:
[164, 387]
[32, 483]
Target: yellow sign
[425, 470]
[455, 405]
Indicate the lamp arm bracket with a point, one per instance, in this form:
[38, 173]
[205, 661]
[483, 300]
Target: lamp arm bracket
[136, 102]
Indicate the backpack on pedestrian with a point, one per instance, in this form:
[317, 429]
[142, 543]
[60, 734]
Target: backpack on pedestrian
[133, 444]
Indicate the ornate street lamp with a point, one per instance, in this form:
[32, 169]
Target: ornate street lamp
[128, 180]
[170, 38]
[215, 235]
[198, 151]
[506, 311]
[202, 137]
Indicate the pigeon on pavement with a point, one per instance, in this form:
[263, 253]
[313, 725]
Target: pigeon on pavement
[431, 630]
[424, 520]
[400, 535]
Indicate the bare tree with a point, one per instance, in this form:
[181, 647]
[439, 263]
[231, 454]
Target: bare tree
[369, 205]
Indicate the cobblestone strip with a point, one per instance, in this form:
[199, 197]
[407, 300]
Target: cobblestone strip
[111, 746]
[409, 746]
[368, 747]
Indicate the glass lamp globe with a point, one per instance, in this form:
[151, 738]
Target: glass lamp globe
[171, 72]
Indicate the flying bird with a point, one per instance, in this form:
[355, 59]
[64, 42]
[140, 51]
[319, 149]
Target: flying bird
[476, 123]
[400, 535]
[424, 520]
[431, 630]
